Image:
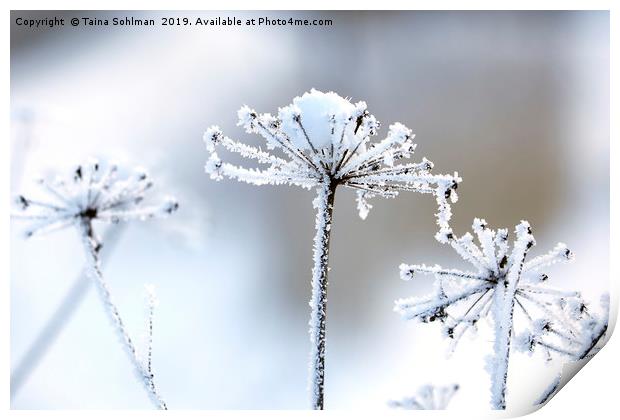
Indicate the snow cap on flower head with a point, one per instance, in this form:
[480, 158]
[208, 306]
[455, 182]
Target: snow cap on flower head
[323, 136]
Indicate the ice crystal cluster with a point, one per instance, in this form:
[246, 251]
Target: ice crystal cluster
[323, 137]
[504, 286]
[92, 191]
[96, 192]
[429, 397]
[323, 141]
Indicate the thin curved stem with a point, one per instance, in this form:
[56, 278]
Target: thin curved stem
[94, 271]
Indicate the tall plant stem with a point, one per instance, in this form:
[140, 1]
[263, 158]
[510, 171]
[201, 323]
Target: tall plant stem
[94, 271]
[503, 318]
[318, 303]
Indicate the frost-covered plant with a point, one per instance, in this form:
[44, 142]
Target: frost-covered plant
[555, 321]
[96, 192]
[589, 329]
[429, 397]
[324, 142]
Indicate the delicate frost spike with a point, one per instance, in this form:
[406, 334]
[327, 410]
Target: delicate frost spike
[323, 141]
[94, 191]
[91, 191]
[151, 296]
[559, 323]
[363, 207]
[429, 397]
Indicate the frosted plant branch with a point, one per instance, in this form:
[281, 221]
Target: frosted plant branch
[143, 370]
[429, 397]
[504, 285]
[96, 193]
[322, 141]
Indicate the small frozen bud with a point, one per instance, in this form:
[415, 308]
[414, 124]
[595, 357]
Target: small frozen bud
[575, 308]
[212, 137]
[22, 202]
[399, 133]
[564, 251]
[444, 235]
[406, 271]
[409, 147]
[289, 114]
[438, 314]
[78, 173]
[370, 126]
[525, 342]
[170, 205]
[523, 228]
[479, 225]
[359, 110]
[448, 331]
[213, 167]
[93, 165]
[427, 165]
[541, 326]
[269, 121]
[247, 118]
[501, 236]
[140, 174]
[456, 180]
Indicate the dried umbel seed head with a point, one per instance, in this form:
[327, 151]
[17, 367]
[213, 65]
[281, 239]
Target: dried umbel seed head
[92, 191]
[324, 137]
[493, 264]
[505, 284]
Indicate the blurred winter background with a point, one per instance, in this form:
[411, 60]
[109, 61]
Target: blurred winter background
[517, 102]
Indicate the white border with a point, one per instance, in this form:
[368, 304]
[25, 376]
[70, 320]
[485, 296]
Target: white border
[577, 400]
